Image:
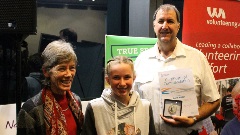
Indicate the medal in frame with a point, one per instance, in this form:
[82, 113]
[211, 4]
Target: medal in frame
[172, 107]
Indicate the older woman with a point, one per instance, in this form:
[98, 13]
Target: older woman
[55, 110]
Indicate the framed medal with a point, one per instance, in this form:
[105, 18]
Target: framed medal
[172, 107]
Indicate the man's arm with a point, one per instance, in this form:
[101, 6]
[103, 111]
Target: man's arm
[207, 109]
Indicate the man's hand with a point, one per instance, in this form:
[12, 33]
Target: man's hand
[179, 121]
[205, 111]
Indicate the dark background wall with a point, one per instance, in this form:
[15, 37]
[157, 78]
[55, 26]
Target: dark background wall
[91, 21]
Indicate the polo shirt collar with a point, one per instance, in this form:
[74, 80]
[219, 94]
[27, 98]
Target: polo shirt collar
[178, 51]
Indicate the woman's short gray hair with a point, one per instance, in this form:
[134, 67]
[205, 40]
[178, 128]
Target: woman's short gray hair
[55, 53]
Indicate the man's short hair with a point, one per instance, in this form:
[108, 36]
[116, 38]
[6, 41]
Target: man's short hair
[230, 89]
[69, 35]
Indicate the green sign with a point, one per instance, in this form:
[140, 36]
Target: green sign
[126, 46]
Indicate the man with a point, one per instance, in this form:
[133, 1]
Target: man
[168, 54]
[226, 103]
[32, 84]
[68, 34]
[219, 120]
[233, 126]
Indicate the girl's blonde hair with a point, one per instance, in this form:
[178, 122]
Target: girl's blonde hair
[118, 60]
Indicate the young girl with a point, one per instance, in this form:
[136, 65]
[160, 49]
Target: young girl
[119, 110]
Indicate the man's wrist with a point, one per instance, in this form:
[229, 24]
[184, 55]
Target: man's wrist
[195, 119]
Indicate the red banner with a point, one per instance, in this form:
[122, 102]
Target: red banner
[213, 27]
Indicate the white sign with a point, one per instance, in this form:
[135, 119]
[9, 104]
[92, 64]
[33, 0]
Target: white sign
[179, 85]
[8, 122]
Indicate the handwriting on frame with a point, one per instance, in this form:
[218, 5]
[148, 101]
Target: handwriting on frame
[176, 80]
